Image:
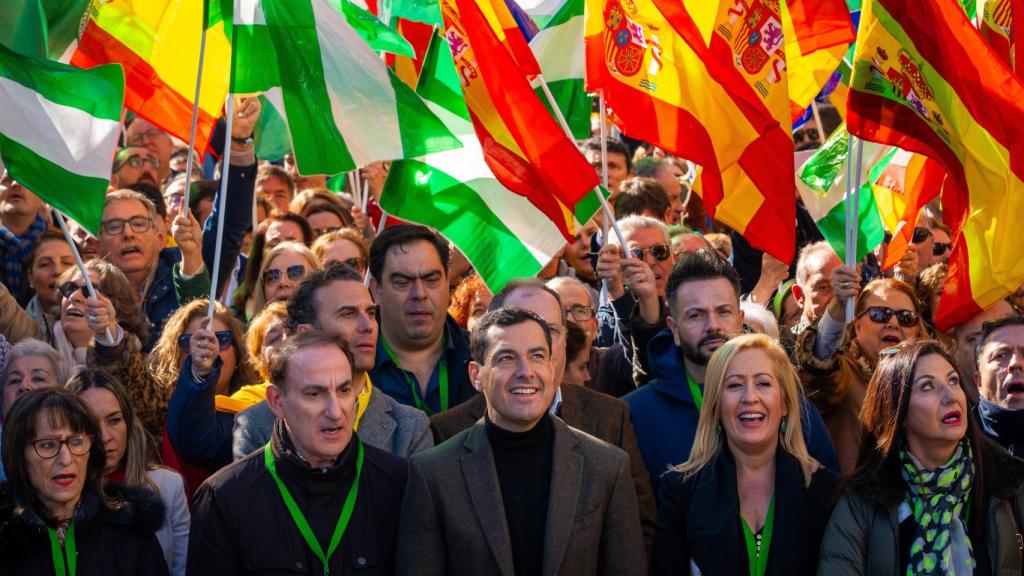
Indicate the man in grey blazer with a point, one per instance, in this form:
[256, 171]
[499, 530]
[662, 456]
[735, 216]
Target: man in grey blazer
[335, 300]
[520, 493]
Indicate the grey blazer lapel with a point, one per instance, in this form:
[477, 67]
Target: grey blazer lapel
[377, 426]
[566, 481]
[481, 479]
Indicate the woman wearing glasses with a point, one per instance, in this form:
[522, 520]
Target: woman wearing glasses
[129, 461]
[836, 363]
[346, 246]
[56, 514]
[204, 366]
[931, 494]
[284, 266]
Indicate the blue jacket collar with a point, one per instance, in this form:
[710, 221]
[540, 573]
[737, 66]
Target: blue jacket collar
[668, 369]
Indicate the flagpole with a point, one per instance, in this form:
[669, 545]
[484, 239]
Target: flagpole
[365, 200]
[225, 168]
[90, 289]
[383, 221]
[851, 251]
[195, 115]
[817, 120]
[604, 138]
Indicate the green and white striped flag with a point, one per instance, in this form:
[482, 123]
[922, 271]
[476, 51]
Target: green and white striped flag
[58, 131]
[560, 52]
[501, 233]
[821, 181]
[344, 108]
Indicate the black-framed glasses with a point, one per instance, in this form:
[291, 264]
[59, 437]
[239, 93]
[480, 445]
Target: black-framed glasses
[48, 448]
[920, 234]
[136, 161]
[224, 339]
[69, 288]
[115, 226]
[940, 248]
[294, 273]
[661, 252]
[882, 314]
[580, 312]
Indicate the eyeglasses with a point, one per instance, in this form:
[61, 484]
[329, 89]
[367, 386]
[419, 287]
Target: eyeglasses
[580, 312]
[355, 262]
[69, 288]
[321, 231]
[940, 248]
[661, 252]
[294, 273]
[224, 339]
[139, 138]
[136, 161]
[115, 226]
[882, 314]
[48, 448]
[920, 235]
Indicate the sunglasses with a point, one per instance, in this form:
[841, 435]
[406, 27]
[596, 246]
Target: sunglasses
[294, 273]
[920, 235]
[224, 339]
[940, 248]
[882, 314]
[661, 252]
[69, 288]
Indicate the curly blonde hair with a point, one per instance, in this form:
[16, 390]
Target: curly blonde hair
[257, 333]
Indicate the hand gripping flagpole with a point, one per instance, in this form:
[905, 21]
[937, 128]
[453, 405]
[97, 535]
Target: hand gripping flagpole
[195, 115]
[89, 288]
[222, 203]
[852, 208]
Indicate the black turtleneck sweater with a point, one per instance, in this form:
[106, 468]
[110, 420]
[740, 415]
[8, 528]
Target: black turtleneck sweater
[523, 461]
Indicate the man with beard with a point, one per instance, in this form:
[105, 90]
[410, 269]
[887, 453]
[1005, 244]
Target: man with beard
[133, 165]
[704, 312]
[22, 221]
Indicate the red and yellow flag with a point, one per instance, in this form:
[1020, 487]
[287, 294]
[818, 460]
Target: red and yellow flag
[906, 185]
[925, 81]
[523, 145]
[157, 42]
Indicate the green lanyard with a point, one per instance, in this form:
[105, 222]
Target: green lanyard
[300, 520]
[442, 378]
[759, 560]
[698, 397]
[58, 553]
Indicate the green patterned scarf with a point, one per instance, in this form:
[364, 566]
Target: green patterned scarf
[936, 497]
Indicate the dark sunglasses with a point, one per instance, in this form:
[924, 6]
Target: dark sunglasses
[920, 235]
[660, 252]
[940, 248]
[882, 314]
[294, 273]
[224, 339]
[69, 288]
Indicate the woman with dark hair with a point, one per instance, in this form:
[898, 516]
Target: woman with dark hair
[931, 494]
[56, 515]
[129, 461]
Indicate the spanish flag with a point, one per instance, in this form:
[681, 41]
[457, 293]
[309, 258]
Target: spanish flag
[925, 80]
[157, 42]
[523, 145]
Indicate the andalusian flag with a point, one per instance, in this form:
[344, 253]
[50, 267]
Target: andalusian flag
[157, 42]
[501, 233]
[343, 106]
[925, 81]
[58, 131]
[524, 146]
[562, 57]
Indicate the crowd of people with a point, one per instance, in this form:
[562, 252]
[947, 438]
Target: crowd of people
[355, 400]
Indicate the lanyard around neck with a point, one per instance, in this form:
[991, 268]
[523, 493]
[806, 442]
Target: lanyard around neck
[414, 389]
[757, 552]
[300, 520]
[698, 396]
[59, 553]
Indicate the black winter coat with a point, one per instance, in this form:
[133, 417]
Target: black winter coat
[240, 524]
[698, 519]
[109, 542]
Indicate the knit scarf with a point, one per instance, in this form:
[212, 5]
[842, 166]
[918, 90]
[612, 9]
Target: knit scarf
[16, 251]
[937, 497]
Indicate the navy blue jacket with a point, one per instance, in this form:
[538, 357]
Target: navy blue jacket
[200, 433]
[665, 415]
[1003, 425]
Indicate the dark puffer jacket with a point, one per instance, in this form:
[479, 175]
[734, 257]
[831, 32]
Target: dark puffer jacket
[109, 542]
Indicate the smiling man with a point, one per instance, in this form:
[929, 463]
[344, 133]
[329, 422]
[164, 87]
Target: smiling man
[1000, 381]
[315, 482]
[534, 496]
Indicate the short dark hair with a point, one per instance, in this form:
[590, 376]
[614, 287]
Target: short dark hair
[531, 282]
[401, 235]
[989, 328]
[278, 369]
[154, 195]
[201, 190]
[649, 166]
[274, 171]
[303, 306]
[502, 317]
[704, 264]
[575, 341]
[614, 147]
[640, 195]
[61, 408]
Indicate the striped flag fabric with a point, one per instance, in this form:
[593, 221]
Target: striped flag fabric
[502, 234]
[562, 58]
[59, 129]
[343, 107]
[924, 80]
[157, 42]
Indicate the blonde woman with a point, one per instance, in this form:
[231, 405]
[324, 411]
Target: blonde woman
[284, 266]
[750, 500]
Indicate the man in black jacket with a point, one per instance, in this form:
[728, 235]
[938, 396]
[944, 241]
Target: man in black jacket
[1000, 381]
[316, 499]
